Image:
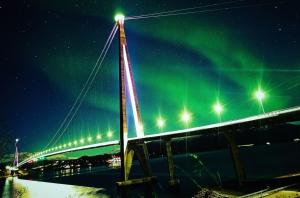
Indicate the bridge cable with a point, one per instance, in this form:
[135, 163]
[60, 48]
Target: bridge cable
[184, 9]
[194, 10]
[88, 88]
[84, 95]
[92, 73]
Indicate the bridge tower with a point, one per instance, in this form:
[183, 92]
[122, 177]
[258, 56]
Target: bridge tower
[126, 85]
[16, 158]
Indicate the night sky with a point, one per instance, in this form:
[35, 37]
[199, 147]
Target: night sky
[48, 49]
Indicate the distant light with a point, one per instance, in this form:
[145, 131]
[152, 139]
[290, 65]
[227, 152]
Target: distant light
[296, 140]
[119, 18]
[75, 142]
[56, 148]
[109, 134]
[185, 117]
[60, 147]
[81, 140]
[268, 143]
[65, 145]
[89, 139]
[245, 145]
[260, 95]
[17, 140]
[218, 108]
[99, 137]
[70, 144]
[160, 122]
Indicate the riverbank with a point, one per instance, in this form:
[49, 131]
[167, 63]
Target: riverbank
[15, 187]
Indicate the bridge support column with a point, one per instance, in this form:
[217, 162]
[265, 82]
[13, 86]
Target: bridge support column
[173, 181]
[239, 169]
[141, 152]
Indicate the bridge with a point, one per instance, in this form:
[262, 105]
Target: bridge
[138, 145]
[274, 117]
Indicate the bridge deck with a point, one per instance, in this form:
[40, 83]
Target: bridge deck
[280, 116]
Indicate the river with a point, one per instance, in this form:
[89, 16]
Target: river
[194, 170]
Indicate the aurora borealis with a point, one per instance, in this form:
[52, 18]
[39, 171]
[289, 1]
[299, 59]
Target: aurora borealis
[179, 62]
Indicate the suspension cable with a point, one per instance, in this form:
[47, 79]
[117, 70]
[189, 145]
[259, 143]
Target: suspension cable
[185, 9]
[86, 91]
[194, 10]
[94, 70]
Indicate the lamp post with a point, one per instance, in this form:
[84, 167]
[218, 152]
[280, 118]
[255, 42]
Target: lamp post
[260, 95]
[160, 123]
[186, 118]
[218, 109]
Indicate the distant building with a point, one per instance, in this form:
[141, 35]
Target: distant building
[9, 158]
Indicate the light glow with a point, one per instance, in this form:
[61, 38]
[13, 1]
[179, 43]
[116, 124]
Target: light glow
[160, 122]
[138, 125]
[260, 95]
[81, 140]
[119, 18]
[218, 108]
[109, 134]
[99, 137]
[89, 139]
[186, 116]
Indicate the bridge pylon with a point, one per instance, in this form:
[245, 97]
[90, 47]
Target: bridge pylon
[127, 151]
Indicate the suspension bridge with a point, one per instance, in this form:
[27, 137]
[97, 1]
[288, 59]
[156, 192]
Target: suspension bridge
[138, 145]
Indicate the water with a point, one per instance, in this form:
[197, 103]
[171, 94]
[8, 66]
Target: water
[14, 187]
[194, 170]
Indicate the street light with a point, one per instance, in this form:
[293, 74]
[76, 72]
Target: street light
[109, 134]
[260, 95]
[218, 108]
[186, 117]
[81, 141]
[160, 122]
[98, 137]
[89, 139]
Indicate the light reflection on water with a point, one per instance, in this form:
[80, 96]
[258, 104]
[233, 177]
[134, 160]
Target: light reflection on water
[19, 188]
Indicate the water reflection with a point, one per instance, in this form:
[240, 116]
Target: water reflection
[19, 188]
